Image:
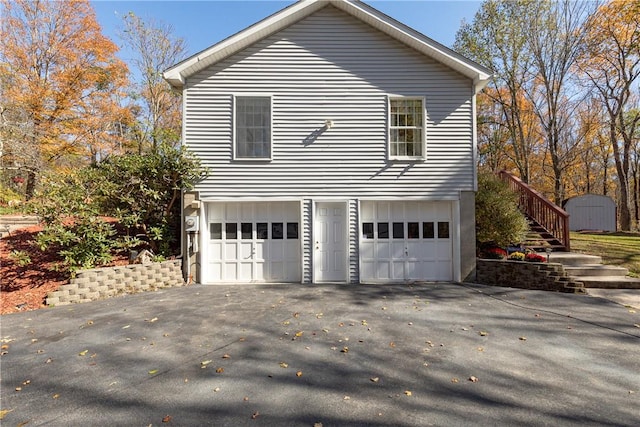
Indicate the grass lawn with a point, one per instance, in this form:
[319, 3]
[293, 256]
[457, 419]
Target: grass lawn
[621, 249]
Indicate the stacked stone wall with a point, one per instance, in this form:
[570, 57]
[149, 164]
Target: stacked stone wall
[99, 283]
[526, 275]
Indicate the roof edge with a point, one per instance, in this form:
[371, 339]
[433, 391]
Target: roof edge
[176, 75]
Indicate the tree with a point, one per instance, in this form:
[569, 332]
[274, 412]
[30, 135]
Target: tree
[60, 79]
[155, 49]
[611, 61]
[554, 38]
[497, 40]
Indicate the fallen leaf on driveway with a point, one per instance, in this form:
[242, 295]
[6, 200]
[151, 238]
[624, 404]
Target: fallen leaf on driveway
[55, 396]
[454, 380]
[473, 379]
[4, 412]
[255, 415]
[204, 363]
[522, 338]
[225, 356]
[284, 365]
[407, 392]
[299, 374]
[166, 419]
[126, 327]
[483, 333]
[83, 353]
[219, 370]
[375, 379]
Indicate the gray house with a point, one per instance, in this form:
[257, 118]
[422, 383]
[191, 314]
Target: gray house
[342, 148]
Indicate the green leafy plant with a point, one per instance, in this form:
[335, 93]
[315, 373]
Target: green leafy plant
[498, 220]
[85, 242]
[21, 258]
[140, 191]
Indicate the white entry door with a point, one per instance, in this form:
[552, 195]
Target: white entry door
[330, 239]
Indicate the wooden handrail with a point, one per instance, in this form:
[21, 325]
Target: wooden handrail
[550, 216]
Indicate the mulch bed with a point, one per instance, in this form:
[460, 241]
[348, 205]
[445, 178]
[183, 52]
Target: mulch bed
[26, 287]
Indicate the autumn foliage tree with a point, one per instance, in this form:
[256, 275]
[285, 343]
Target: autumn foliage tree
[611, 61]
[62, 86]
[154, 48]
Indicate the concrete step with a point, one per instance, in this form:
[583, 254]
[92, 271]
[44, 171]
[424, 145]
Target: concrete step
[598, 270]
[574, 259]
[609, 282]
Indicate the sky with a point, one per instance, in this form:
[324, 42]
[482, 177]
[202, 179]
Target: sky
[204, 23]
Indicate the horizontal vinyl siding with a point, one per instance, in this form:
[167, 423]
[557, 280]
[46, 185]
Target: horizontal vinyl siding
[331, 66]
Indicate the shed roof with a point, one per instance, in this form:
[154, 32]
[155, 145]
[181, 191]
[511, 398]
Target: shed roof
[177, 75]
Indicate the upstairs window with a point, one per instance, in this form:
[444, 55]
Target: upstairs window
[252, 127]
[406, 128]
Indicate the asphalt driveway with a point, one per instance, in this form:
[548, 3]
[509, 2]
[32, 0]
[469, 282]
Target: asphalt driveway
[305, 355]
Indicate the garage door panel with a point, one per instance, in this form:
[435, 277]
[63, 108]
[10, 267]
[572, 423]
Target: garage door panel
[414, 270]
[230, 272]
[398, 270]
[216, 251]
[231, 251]
[402, 241]
[252, 242]
[383, 271]
[397, 250]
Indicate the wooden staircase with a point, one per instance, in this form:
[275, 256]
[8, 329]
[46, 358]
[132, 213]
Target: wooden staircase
[548, 223]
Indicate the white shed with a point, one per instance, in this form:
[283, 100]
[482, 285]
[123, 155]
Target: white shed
[591, 212]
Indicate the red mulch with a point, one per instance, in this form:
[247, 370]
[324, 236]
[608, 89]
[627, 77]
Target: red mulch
[26, 288]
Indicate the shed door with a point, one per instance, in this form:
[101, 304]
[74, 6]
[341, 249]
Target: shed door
[406, 241]
[252, 242]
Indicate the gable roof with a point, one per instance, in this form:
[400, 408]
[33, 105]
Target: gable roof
[177, 75]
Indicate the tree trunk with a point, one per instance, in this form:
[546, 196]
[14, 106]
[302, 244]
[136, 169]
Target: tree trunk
[30, 188]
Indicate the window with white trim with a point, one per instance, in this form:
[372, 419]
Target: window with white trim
[406, 128]
[252, 127]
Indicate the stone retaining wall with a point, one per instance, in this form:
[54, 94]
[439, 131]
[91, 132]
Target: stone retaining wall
[11, 223]
[526, 275]
[99, 283]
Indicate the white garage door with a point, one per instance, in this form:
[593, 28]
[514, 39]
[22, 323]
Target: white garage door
[252, 242]
[406, 241]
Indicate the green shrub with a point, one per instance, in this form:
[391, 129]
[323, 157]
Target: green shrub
[498, 220]
[142, 191]
[87, 241]
[20, 257]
